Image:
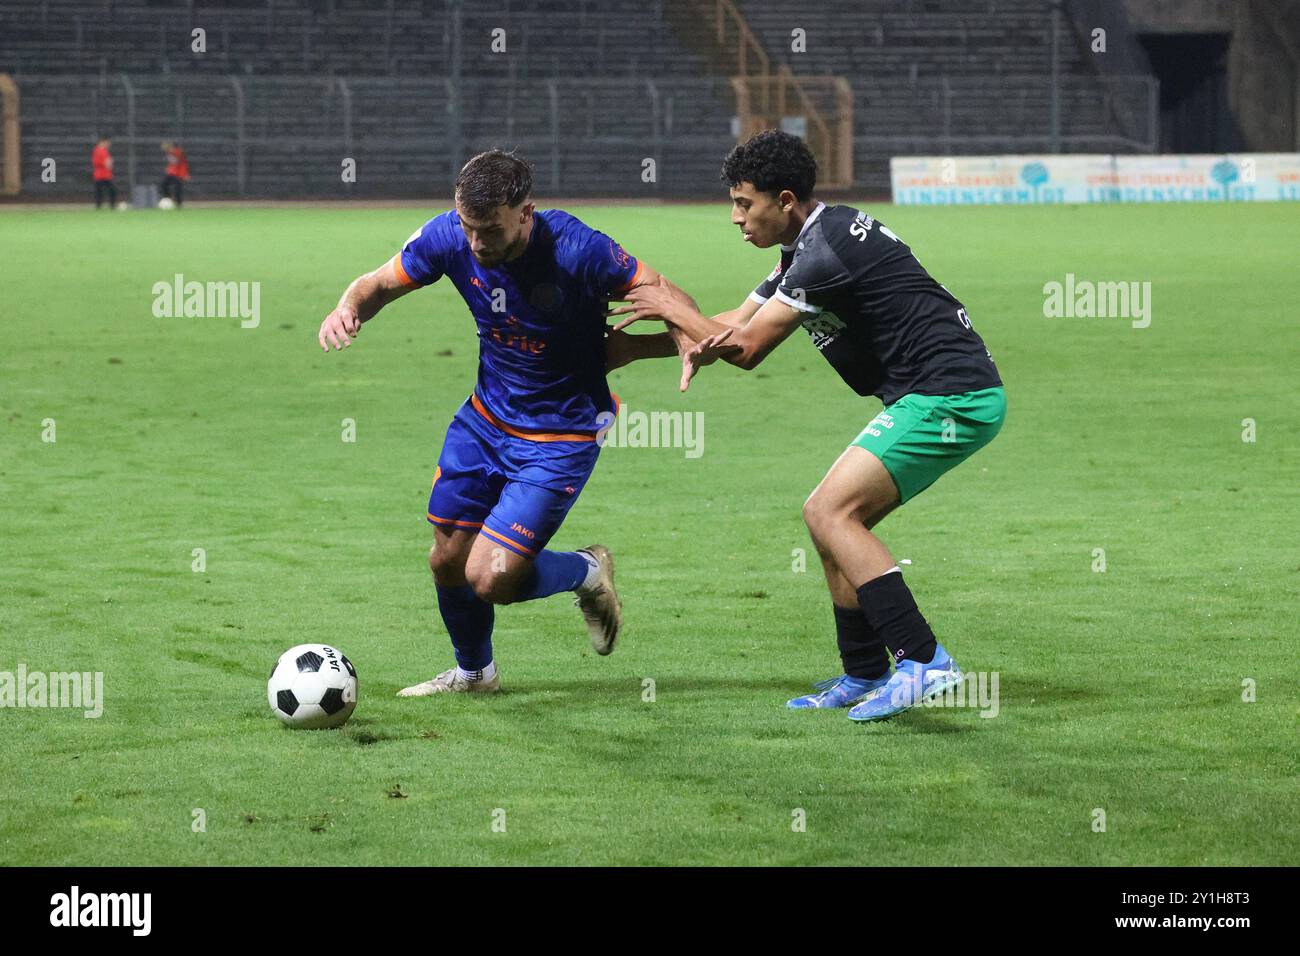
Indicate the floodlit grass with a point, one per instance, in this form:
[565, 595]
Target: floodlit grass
[1119, 690]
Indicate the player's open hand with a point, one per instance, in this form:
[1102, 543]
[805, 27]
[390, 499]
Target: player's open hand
[644, 302]
[705, 352]
[339, 328]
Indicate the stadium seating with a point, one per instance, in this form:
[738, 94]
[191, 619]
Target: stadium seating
[588, 96]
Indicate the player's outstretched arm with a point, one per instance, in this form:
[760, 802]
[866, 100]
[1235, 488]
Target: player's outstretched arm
[622, 348]
[360, 302]
[664, 301]
[746, 347]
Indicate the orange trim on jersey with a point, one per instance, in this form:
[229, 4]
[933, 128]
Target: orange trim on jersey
[402, 277]
[459, 524]
[636, 277]
[437, 473]
[531, 436]
[504, 540]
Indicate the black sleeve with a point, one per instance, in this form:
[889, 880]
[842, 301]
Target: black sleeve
[814, 276]
[763, 291]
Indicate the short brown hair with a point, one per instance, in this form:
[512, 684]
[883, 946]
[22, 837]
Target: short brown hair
[491, 179]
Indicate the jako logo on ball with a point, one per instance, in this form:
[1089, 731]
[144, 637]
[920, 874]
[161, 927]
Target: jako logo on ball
[312, 687]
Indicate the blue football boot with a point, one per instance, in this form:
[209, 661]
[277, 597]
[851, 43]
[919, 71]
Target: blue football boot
[912, 683]
[842, 691]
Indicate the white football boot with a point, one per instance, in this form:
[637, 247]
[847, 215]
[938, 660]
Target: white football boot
[452, 682]
[601, 608]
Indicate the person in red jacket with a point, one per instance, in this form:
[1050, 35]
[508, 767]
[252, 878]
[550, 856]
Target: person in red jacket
[101, 164]
[177, 172]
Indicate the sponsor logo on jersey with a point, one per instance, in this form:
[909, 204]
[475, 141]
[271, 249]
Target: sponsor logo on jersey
[823, 328]
[860, 226]
[863, 223]
[883, 420]
[529, 344]
[620, 257]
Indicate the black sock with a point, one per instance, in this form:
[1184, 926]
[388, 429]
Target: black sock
[861, 649]
[889, 606]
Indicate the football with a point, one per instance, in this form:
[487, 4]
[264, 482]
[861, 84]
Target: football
[312, 687]
[166, 203]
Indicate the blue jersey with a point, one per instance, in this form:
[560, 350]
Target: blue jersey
[541, 319]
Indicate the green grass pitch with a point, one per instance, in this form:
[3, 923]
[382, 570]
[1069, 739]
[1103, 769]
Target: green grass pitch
[1121, 690]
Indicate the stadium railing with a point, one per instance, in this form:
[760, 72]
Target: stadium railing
[288, 136]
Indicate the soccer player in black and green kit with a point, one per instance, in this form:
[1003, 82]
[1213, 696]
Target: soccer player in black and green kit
[889, 330]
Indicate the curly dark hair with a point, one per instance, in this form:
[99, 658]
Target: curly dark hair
[491, 179]
[772, 160]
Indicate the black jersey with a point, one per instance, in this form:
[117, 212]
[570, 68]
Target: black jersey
[874, 312]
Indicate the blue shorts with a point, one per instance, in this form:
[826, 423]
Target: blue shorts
[514, 490]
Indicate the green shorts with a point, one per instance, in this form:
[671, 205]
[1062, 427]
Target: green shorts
[920, 437]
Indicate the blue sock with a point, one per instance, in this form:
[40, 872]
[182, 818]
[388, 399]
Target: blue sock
[469, 622]
[553, 572]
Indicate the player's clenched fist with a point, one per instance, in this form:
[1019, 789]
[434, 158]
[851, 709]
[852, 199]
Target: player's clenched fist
[339, 328]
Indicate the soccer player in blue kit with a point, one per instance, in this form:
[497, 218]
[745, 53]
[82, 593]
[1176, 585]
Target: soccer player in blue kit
[519, 451]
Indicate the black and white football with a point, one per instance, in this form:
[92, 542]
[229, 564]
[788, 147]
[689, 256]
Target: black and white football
[312, 687]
